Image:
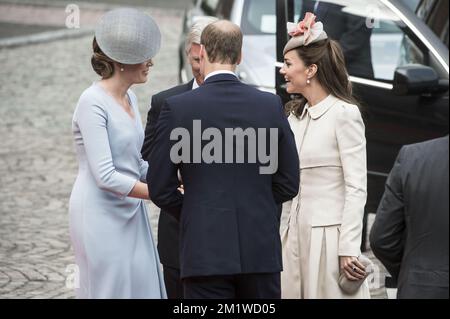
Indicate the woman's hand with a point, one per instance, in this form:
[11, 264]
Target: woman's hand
[352, 268]
[140, 190]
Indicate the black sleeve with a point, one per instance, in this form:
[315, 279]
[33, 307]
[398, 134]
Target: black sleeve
[285, 181]
[150, 127]
[162, 176]
[387, 237]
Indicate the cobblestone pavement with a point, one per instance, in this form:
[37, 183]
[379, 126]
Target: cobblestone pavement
[39, 87]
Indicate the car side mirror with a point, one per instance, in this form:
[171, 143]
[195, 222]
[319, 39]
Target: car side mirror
[416, 79]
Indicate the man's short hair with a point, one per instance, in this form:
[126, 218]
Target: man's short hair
[222, 44]
[196, 30]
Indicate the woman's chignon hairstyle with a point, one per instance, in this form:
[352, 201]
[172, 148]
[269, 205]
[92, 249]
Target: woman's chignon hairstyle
[101, 63]
[331, 73]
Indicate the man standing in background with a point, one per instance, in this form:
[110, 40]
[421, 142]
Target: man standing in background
[410, 232]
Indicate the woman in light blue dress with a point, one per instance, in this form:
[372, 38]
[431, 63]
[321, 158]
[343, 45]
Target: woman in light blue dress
[109, 227]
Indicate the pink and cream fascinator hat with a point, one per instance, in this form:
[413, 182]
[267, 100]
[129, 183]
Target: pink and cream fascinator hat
[305, 32]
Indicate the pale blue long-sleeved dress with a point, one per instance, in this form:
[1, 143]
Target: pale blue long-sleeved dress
[110, 232]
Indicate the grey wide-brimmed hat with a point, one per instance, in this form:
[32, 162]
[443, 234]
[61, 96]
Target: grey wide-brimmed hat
[128, 36]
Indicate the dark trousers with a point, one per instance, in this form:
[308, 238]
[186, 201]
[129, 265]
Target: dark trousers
[172, 280]
[242, 286]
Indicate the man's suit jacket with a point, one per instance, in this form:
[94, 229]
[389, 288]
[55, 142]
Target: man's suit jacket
[168, 226]
[410, 233]
[350, 31]
[228, 214]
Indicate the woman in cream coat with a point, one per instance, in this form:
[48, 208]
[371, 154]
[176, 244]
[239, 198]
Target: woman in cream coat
[322, 235]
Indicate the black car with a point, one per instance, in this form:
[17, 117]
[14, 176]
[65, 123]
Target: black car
[400, 74]
[398, 65]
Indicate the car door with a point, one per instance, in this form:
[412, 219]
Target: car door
[378, 38]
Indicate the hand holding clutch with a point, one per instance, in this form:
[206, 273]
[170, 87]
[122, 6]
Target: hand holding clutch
[351, 286]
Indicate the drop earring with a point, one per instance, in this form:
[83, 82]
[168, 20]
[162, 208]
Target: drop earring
[308, 81]
[121, 69]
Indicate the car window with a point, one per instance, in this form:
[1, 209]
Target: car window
[224, 9]
[209, 7]
[374, 40]
[258, 17]
[411, 4]
[425, 8]
[435, 14]
[444, 35]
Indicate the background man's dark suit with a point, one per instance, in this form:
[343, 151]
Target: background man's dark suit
[350, 31]
[410, 233]
[168, 226]
[229, 215]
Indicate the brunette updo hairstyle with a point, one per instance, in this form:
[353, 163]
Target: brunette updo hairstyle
[101, 63]
[331, 73]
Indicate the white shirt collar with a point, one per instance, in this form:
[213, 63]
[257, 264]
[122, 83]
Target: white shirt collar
[219, 72]
[195, 84]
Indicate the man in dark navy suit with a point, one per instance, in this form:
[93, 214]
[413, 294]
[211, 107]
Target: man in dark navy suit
[238, 160]
[168, 226]
[410, 232]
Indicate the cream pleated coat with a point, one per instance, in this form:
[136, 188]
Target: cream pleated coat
[325, 220]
